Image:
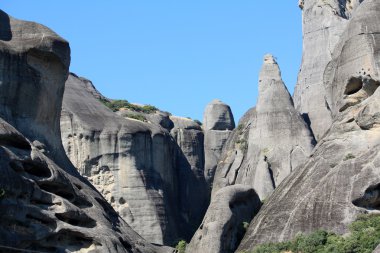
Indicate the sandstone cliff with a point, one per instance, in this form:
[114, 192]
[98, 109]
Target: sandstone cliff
[323, 24]
[46, 205]
[270, 142]
[153, 178]
[341, 180]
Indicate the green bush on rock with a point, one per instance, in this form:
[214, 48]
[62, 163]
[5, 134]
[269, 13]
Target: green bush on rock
[181, 246]
[116, 105]
[364, 236]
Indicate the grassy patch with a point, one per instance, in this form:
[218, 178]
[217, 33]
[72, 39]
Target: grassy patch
[349, 156]
[181, 246]
[363, 238]
[243, 144]
[116, 105]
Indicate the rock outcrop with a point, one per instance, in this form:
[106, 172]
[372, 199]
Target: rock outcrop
[323, 24]
[194, 193]
[218, 123]
[223, 225]
[46, 205]
[342, 178]
[270, 142]
[154, 179]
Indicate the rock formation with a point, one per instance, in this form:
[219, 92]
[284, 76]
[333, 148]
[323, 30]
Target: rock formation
[46, 205]
[270, 142]
[218, 123]
[153, 178]
[323, 24]
[223, 225]
[192, 187]
[342, 178]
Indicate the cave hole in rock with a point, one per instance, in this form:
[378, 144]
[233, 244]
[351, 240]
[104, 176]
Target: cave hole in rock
[36, 169]
[353, 86]
[71, 238]
[57, 190]
[41, 220]
[76, 219]
[370, 199]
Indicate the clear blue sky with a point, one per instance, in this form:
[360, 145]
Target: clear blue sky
[175, 54]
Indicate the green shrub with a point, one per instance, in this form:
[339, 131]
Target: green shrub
[364, 237]
[243, 144]
[181, 246]
[349, 156]
[240, 129]
[2, 193]
[116, 105]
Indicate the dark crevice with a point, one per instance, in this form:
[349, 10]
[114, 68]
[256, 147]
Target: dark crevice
[371, 198]
[36, 169]
[57, 190]
[353, 86]
[76, 219]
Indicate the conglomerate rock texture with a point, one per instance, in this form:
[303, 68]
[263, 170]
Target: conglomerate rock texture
[323, 24]
[45, 204]
[342, 178]
[223, 225]
[270, 142]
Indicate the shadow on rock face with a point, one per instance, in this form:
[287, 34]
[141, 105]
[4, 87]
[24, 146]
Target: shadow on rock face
[5, 28]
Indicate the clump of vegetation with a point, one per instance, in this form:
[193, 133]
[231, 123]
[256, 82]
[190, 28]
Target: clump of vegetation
[265, 150]
[243, 144]
[181, 246]
[198, 122]
[116, 105]
[349, 156]
[363, 238]
[240, 129]
[136, 116]
[2, 193]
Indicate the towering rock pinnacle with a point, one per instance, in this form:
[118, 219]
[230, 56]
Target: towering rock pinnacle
[271, 140]
[218, 123]
[341, 180]
[323, 24]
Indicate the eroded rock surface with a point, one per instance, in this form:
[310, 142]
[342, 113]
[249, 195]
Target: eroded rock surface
[46, 205]
[218, 125]
[323, 24]
[223, 225]
[270, 142]
[152, 177]
[342, 178]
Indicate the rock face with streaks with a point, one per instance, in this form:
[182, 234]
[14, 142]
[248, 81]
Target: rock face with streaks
[46, 205]
[271, 140]
[218, 123]
[223, 226]
[153, 178]
[342, 178]
[192, 187]
[323, 24]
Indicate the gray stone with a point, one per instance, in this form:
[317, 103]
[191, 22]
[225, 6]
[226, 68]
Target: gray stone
[223, 225]
[341, 180]
[270, 142]
[323, 24]
[218, 116]
[218, 125]
[130, 162]
[46, 205]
